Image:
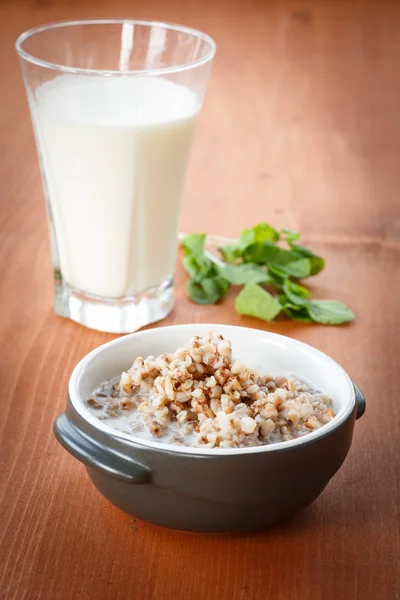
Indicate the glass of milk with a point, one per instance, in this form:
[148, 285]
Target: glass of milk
[114, 104]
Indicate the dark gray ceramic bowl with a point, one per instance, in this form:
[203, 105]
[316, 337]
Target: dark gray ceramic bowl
[210, 490]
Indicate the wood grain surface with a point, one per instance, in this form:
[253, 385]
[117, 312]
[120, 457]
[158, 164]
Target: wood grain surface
[300, 127]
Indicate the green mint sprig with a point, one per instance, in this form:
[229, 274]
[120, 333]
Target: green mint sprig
[269, 264]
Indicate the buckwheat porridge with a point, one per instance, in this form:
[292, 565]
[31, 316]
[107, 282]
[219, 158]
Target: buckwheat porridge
[200, 396]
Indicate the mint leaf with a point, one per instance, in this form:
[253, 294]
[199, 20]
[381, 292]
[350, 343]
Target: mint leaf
[329, 312]
[301, 249]
[198, 266]
[208, 290]
[264, 232]
[254, 301]
[247, 238]
[297, 294]
[289, 235]
[260, 233]
[317, 263]
[298, 261]
[297, 313]
[295, 310]
[288, 261]
[206, 286]
[258, 258]
[269, 253]
[243, 273]
[300, 269]
[277, 275]
[194, 243]
[230, 252]
[297, 306]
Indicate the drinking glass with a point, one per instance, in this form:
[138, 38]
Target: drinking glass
[113, 105]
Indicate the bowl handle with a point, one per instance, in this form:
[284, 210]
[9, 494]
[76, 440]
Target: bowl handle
[95, 455]
[360, 401]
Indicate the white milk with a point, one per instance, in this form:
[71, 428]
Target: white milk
[114, 153]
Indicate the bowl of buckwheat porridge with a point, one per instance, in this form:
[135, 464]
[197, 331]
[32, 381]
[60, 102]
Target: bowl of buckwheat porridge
[209, 428]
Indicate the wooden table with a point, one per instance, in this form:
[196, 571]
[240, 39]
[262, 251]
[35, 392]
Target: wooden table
[301, 128]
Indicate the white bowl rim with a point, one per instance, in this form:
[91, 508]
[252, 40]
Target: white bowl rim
[79, 406]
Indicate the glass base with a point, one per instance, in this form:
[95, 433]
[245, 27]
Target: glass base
[123, 315]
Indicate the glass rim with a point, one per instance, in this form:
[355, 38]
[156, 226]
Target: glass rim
[23, 54]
